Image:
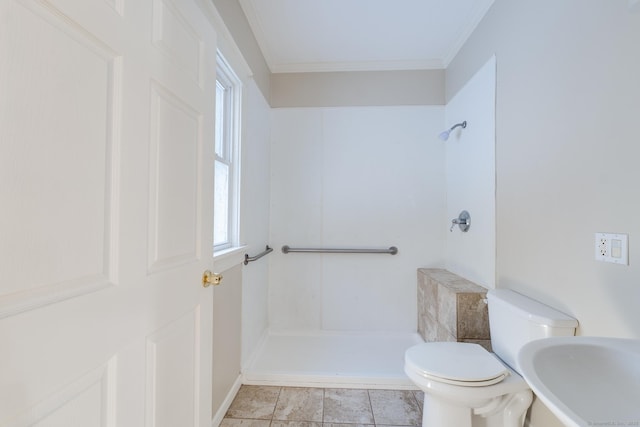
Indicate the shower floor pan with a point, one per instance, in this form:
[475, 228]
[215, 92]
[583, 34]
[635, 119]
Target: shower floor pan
[326, 359]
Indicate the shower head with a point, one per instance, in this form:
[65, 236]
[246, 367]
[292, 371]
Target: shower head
[445, 135]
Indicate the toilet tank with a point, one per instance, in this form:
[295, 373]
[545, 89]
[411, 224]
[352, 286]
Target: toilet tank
[515, 319]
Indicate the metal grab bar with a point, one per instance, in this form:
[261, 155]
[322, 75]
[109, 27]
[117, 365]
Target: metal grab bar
[248, 259]
[392, 250]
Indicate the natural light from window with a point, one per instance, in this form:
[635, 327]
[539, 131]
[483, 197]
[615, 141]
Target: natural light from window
[226, 189]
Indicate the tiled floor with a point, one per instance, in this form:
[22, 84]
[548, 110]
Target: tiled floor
[267, 406]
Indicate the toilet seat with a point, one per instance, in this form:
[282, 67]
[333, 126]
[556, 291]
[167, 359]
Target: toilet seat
[463, 364]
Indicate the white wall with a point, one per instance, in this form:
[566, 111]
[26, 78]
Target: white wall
[227, 327]
[567, 150]
[254, 209]
[471, 178]
[367, 177]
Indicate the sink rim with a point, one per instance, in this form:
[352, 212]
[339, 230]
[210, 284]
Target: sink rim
[527, 358]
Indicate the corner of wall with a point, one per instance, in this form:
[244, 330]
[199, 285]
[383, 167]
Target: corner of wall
[238, 27]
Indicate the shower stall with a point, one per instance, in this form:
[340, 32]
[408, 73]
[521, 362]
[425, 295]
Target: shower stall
[368, 184]
[378, 186]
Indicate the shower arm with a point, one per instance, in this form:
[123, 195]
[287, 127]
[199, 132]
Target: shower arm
[462, 125]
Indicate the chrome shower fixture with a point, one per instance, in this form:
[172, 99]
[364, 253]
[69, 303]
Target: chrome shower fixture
[445, 135]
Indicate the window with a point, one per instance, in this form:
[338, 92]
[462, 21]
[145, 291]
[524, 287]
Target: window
[227, 147]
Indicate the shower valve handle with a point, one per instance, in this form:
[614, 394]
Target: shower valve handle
[463, 221]
[456, 221]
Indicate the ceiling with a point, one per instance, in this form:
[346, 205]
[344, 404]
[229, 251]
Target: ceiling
[357, 35]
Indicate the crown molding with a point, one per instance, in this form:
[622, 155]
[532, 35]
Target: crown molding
[258, 31]
[225, 42]
[324, 67]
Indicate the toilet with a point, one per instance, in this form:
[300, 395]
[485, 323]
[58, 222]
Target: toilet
[465, 385]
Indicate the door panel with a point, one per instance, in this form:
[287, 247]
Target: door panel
[173, 371]
[174, 217]
[87, 402]
[106, 227]
[58, 166]
[176, 37]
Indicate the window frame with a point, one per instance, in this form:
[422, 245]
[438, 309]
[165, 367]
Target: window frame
[231, 134]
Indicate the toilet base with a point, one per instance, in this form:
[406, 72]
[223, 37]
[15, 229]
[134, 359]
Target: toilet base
[441, 413]
[503, 411]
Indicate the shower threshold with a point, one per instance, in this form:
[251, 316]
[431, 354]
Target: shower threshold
[331, 359]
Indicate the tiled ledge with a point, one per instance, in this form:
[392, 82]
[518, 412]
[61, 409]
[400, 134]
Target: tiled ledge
[451, 308]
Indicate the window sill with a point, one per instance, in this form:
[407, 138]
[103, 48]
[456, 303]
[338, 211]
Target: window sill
[228, 258]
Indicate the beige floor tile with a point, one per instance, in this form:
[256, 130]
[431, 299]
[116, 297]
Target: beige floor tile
[395, 407]
[299, 404]
[255, 402]
[234, 422]
[347, 425]
[295, 424]
[350, 406]
[400, 425]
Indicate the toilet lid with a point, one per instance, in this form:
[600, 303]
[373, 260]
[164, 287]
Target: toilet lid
[456, 363]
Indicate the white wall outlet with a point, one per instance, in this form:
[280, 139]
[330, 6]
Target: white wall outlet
[612, 248]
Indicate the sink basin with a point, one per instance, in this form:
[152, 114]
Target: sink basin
[585, 381]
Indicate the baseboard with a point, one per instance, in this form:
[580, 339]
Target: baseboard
[319, 381]
[224, 407]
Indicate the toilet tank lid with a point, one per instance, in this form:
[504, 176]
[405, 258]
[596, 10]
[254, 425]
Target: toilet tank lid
[535, 311]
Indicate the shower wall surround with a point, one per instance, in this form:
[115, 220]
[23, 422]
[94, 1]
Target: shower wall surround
[366, 177]
[256, 172]
[471, 177]
[451, 308]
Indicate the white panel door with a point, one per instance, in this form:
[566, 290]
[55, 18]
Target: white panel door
[106, 183]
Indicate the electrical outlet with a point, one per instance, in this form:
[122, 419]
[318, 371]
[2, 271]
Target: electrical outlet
[612, 248]
[602, 246]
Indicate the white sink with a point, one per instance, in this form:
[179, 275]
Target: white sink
[585, 381]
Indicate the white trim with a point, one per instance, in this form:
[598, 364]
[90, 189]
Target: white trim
[293, 380]
[225, 42]
[232, 146]
[228, 400]
[228, 258]
[309, 67]
[257, 28]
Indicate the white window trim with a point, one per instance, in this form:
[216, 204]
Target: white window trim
[228, 258]
[226, 74]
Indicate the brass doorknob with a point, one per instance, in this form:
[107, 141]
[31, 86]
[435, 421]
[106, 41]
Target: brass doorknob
[209, 278]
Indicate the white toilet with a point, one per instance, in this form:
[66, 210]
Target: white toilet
[466, 386]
